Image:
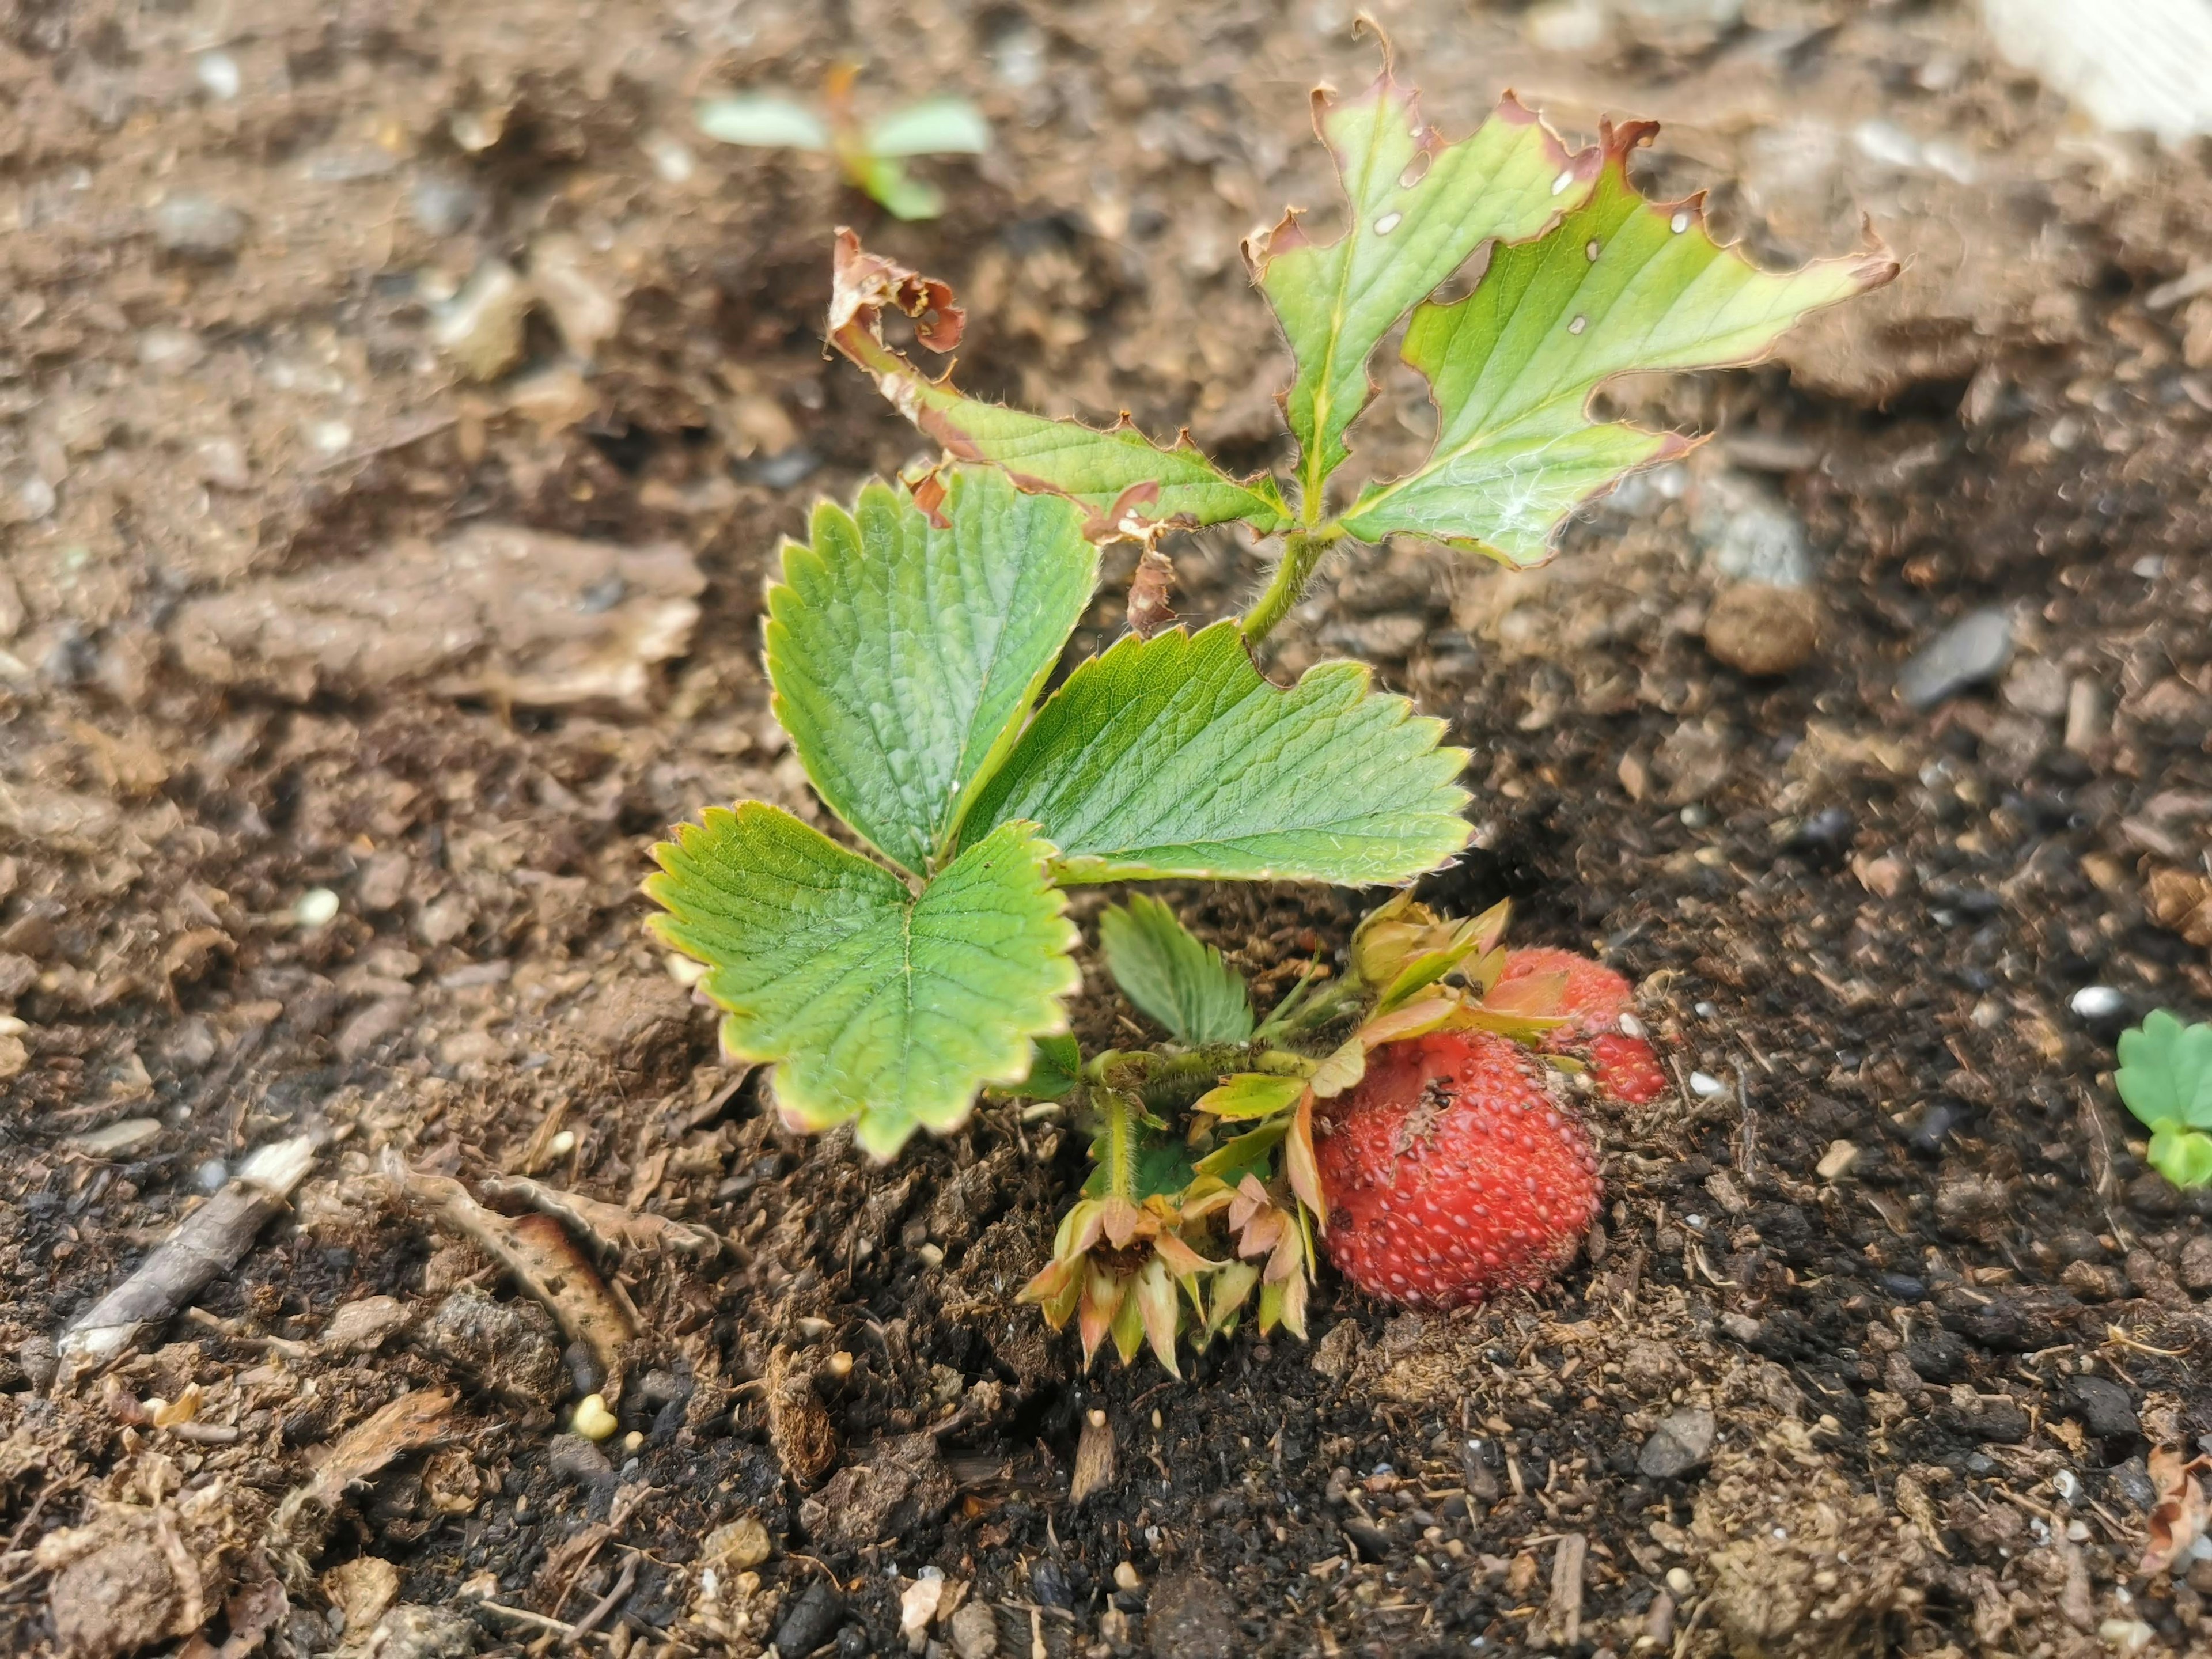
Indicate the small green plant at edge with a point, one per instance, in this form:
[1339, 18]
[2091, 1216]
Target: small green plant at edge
[2165, 1079]
[871, 155]
[910, 640]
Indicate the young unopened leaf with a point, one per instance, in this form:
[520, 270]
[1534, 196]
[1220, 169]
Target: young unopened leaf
[1622, 286]
[1416, 208]
[1098, 468]
[1172, 756]
[2165, 1072]
[763, 120]
[935, 126]
[1173, 975]
[904, 653]
[873, 1002]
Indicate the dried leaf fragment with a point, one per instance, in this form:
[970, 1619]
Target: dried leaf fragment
[2177, 1520]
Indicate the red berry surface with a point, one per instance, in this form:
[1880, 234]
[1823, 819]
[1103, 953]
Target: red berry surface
[1453, 1171]
[1625, 1065]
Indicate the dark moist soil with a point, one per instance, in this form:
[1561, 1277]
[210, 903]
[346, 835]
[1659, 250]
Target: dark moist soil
[1885, 1313]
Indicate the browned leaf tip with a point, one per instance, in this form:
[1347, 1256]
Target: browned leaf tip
[862, 283]
[2177, 1519]
[929, 492]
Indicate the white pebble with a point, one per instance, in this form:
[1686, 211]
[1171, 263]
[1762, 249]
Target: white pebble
[1706, 1087]
[315, 908]
[218, 73]
[2097, 1002]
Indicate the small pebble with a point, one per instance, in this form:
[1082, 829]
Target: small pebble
[218, 73]
[210, 1175]
[198, 228]
[1680, 1581]
[1681, 1442]
[2097, 1002]
[1837, 1161]
[1124, 1577]
[1706, 1087]
[315, 908]
[592, 1420]
[1762, 629]
[1973, 649]
[481, 329]
[813, 1621]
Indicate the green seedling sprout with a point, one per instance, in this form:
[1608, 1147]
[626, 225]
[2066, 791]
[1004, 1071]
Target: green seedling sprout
[2165, 1079]
[896, 969]
[871, 155]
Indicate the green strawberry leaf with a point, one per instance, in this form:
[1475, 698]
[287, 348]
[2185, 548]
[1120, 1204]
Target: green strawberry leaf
[873, 1002]
[1172, 756]
[2165, 1072]
[2183, 1156]
[764, 121]
[904, 655]
[1251, 1095]
[1417, 208]
[1117, 474]
[935, 126]
[1055, 1068]
[1248, 1153]
[1622, 286]
[1173, 975]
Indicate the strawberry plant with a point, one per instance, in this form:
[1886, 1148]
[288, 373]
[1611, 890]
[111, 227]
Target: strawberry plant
[895, 969]
[871, 155]
[2165, 1079]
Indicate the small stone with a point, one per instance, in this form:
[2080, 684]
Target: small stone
[1970, 651]
[1761, 629]
[481, 328]
[1749, 533]
[1681, 1442]
[360, 1326]
[443, 206]
[413, 1631]
[2037, 686]
[1680, 1581]
[198, 228]
[1125, 1576]
[976, 1632]
[2104, 1407]
[316, 908]
[2098, 1003]
[813, 1621]
[736, 1546]
[1836, 1162]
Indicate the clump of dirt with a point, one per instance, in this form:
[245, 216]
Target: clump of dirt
[319, 826]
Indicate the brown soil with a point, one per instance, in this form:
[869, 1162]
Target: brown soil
[256, 640]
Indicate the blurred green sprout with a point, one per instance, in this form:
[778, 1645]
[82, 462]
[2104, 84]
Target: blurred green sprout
[872, 155]
[2166, 1080]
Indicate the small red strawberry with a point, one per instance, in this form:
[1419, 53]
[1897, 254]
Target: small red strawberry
[1454, 1169]
[1600, 1030]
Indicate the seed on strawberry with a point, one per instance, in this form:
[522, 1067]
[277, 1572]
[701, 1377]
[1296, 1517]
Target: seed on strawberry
[1600, 1030]
[1453, 1171]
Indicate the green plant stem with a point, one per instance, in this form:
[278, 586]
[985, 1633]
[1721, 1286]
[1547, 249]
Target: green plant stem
[1213, 1060]
[1302, 555]
[1118, 1144]
[1334, 1000]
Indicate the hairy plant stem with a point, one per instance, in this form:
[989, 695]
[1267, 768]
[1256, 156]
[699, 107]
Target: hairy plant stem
[1118, 1144]
[1302, 555]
